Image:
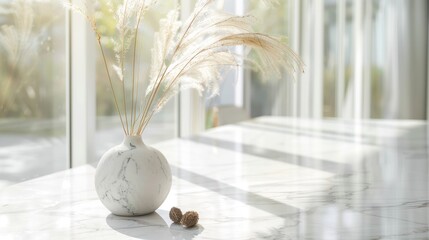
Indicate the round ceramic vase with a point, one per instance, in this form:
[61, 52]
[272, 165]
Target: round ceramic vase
[132, 179]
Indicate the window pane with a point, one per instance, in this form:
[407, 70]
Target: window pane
[329, 58]
[109, 130]
[32, 89]
[243, 94]
[268, 97]
[227, 107]
[377, 59]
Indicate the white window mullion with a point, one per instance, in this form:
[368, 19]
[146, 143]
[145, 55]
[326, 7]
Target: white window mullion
[304, 83]
[358, 59]
[246, 77]
[82, 94]
[296, 40]
[239, 87]
[427, 74]
[318, 48]
[67, 28]
[366, 108]
[311, 84]
[191, 105]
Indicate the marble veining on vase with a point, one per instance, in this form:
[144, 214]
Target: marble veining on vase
[132, 178]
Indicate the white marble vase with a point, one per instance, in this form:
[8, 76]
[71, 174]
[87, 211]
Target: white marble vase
[132, 179]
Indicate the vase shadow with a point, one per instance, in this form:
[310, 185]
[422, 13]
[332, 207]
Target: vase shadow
[179, 232]
[152, 226]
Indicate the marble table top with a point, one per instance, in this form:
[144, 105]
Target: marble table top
[267, 178]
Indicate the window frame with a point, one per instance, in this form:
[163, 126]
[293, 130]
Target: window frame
[82, 115]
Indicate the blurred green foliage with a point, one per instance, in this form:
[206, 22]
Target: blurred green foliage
[32, 64]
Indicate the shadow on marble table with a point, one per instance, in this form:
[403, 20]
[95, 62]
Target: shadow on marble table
[152, 226]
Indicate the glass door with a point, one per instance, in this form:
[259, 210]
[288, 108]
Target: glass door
[33, 81]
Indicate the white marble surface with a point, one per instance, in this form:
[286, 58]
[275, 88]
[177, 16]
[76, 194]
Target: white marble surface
[269, 178]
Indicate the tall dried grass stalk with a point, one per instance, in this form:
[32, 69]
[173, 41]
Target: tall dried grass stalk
[187, 55]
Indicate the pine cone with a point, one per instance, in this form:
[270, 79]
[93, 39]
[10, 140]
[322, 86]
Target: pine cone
[175, 215]
[190, 219]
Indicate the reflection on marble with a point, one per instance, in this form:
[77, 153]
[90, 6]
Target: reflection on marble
[268, 178]
[152, 226]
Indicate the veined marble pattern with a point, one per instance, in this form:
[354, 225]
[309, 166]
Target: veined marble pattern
[132, 178]
[268, 178]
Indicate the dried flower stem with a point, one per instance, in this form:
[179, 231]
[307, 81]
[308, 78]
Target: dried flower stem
[168, 88]
[149, 104]
[145, 119]
[134, 101]
[111, 85]
[124, 96]
[110, 82]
